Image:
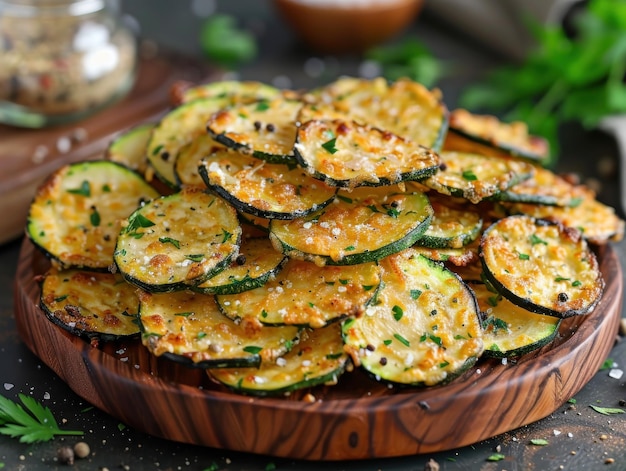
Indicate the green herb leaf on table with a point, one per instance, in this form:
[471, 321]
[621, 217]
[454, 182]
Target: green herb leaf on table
[33, 424]
[607, 410]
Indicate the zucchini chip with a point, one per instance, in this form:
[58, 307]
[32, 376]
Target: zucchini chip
[477, 177]
[178, 240]
[424, 328]
[317, 359]
[306, 294]
[545, 188]
[511, 330]
[597, 221]
[264, 189]
[256, 263]
[92, 305]
[362, 225]
[78, 211]
[451, 227]
[237, 91]
[176, 129]
[189, 328]
[266, 129]
[405, 108]
[541, 266]
[487, 135]
[189, 158]
[129, 148]
[347, 154]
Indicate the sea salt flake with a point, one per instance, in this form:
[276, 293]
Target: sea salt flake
[556, 432]
[616, 373]
[8, 386]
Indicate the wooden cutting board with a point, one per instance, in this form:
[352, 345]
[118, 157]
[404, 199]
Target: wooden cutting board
[28, 156]
[357, 419]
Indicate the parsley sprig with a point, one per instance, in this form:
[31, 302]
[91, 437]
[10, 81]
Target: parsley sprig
[566, 78]
[33, 424]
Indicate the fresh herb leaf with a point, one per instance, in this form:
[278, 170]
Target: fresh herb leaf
[607, 410]
[169, 240]
[469, 175]
[252, 349]
[83, 190]
[329, 145]
[535, 239]
[397, 312]
[402, 340]
[226, 44]
[539, 441]
[496, 457]
[33, 424]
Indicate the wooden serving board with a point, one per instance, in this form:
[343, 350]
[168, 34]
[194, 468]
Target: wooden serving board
[358, 418]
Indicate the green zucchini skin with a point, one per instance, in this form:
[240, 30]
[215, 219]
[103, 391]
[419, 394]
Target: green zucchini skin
[92, 305]
[424, 329]
[477, 177]
[265, 129]
[346, 154]
[256, 263]
[451, 227]
[78, 211]
[129, 148]
[363, 225]
[178, 240]
[541, 266]
[511, 330]
[306, 294]
[264, 189]
[177, 129]
[317, 359]
[188, 328]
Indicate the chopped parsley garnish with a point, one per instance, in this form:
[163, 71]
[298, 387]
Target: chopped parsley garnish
[226, 236]
[469, 175]
[523, 256]
[535, 239]
[169, 240]
[94, 218]
[402, 340]
[397, 312]
[262, 106]
[329, 145]
[415, 293]
[198, 257]
[83, 190]
[184, 314]
[138, 220]
[252, 349]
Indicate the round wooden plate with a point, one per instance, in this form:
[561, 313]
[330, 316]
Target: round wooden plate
[358, 418]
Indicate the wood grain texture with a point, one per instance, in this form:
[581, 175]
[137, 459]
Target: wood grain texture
[356, 419]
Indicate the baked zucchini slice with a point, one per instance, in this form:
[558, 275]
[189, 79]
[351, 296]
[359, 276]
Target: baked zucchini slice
[459, 257]
[129, 148]
[347, 154]
[238, 91]
[317, 359]
[178, 240]
[256, 263]
[545, 188]
[189, 157]
[188, 328]
[305, 294]
[541, 266]
[78, 211]
[598, 222]
[264, 189]
[405, 108]
[487, 135]
[424, 329]
[451, 227]
[511, 330]
[96, 306]
[363, 225]
[477, 177]
[176, 129]
[266, 129]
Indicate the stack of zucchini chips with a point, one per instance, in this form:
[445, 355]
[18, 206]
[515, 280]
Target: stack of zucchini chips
[281, 239]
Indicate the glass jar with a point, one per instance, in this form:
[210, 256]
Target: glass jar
[62, 60]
